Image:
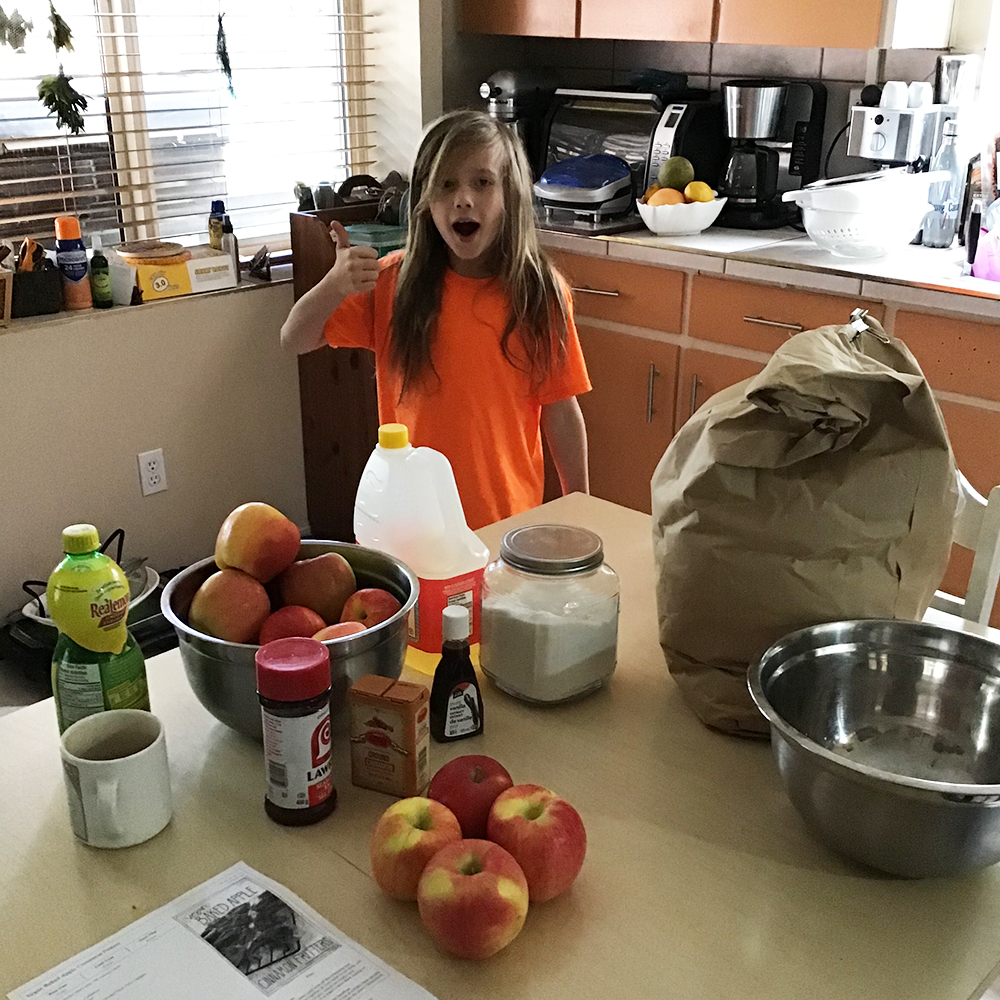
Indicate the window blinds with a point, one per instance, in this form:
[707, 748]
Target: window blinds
[163, 135]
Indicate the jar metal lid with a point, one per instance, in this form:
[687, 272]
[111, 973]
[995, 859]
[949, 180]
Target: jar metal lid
[552, 549]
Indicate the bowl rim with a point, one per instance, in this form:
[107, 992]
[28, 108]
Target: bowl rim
[957, 793]
[183, 627]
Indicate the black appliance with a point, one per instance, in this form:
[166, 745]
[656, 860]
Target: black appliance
[775, 130]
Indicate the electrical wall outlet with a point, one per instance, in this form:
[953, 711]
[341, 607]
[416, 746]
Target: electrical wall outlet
[152, 472]
[853, 98]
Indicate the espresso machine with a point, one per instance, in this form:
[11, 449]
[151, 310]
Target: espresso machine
[775, 130]
[521, 98]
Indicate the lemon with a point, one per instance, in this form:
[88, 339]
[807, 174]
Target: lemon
[699, 191]
[676, 173]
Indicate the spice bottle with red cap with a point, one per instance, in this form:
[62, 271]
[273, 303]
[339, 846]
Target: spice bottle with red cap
[293, 686]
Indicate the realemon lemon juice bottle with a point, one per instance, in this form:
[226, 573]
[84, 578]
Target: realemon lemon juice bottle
[96, 664]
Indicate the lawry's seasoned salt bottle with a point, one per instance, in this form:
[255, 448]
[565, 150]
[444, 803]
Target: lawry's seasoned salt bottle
[408, 506]
[97, 664]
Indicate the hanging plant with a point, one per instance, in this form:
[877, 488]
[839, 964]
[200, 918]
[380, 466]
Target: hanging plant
[61, 36]
[57, 92]
[62, 100]
[222, 54]
[13, 28]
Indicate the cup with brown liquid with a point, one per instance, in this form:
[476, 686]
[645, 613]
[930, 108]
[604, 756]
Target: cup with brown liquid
[117, 777]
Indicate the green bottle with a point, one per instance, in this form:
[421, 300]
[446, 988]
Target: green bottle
[97, 664]
[100, 277]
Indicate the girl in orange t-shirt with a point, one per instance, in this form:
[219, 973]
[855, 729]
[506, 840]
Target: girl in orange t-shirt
[472, 328]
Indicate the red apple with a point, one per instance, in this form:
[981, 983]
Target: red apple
[338, 631]
[291, 620]
[230, 605]
[473, 898]
[257, 539]
[322, 583]
[370, 605]
[467, 786]
[544, 833]
[407, 835]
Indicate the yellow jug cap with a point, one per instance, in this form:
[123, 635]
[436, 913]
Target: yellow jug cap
[393, 436]
[79, 538]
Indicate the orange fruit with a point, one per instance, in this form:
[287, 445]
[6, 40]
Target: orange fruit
[666, 196]
[650, 191]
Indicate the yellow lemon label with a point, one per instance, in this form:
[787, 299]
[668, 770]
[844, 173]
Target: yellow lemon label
[89, 603]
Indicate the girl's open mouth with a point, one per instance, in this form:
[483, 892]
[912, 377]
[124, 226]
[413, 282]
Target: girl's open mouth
[466, 227]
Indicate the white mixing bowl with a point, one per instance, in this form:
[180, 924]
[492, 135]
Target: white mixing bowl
[680, 220]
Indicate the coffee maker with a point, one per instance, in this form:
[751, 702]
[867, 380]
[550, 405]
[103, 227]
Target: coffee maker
[775, 130]
[521, 98]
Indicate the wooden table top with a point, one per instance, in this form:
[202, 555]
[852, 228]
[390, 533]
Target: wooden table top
[700, 881]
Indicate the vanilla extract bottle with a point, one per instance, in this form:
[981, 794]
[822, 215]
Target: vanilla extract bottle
[456, 701]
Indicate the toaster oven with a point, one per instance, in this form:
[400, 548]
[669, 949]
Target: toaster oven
[641, 128]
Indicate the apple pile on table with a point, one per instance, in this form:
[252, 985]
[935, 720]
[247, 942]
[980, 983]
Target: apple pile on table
[317, 597]
[475, 851]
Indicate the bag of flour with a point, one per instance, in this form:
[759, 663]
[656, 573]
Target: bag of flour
[823, 489]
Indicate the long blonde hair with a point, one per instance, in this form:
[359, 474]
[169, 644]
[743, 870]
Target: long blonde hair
[538, 309]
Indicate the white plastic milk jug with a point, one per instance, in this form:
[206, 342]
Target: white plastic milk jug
[408, 506]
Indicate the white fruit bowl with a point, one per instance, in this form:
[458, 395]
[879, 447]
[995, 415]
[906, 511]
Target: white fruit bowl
[680, 220]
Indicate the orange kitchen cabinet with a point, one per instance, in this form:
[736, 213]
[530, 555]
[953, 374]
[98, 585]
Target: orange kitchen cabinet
[554, 18]
[850, 24]
[762, 317]
[623, 292]
[629, 413]
[703, 374]
[956, 355]
[680, 21]
[974, 433]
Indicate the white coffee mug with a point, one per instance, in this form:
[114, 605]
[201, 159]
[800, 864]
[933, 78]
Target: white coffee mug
[919, 94]
[895, 95]
[117, 778]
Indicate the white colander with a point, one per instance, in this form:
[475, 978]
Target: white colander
[868, 215]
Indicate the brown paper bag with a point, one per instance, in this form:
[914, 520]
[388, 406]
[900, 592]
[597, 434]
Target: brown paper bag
[823, 489]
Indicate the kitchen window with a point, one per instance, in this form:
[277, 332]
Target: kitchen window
[162, 135]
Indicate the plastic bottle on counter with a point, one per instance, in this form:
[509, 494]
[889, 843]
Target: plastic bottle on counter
[100, 276]
[408, 505]
[231, 245]
[293, 686]
[97, 664]
[71, 258]
[456, 700]
[215, 222]
[941, 222]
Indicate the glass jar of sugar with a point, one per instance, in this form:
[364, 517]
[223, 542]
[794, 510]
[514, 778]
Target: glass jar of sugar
[549, 628]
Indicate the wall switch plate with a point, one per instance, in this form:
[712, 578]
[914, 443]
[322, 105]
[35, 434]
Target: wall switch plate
[152, 472]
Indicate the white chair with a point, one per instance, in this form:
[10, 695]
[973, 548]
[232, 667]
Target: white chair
[977, 527]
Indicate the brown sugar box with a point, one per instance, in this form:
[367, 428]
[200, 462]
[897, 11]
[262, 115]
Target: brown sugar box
[390, 735]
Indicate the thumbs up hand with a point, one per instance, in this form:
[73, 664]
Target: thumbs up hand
[356, 268]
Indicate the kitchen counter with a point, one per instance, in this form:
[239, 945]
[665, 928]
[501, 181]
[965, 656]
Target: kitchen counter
[700, 881]
[915, 276]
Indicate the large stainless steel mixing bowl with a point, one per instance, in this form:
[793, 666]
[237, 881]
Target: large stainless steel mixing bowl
[223, 675]
[887, 738]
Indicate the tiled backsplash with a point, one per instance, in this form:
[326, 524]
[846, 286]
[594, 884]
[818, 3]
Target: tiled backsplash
[602, 62]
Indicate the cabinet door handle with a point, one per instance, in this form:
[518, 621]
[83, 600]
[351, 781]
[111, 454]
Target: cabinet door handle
[649, 392]
[595, 291]
[695, 386]
[760, 321]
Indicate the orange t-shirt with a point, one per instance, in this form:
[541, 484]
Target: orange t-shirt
[483, 414]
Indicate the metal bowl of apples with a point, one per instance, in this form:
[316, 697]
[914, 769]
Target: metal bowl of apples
[222, 674]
